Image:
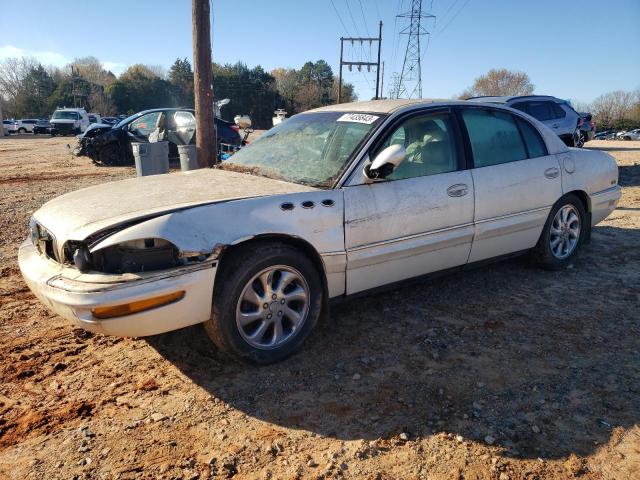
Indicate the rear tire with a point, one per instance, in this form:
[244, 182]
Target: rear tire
[562, 235]
[267, 299]
[22, 130]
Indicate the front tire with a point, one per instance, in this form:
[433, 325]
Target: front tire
[563, 234]
[110, 154]
[267, 299]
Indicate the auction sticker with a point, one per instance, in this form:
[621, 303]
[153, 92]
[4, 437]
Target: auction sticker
[358, 118]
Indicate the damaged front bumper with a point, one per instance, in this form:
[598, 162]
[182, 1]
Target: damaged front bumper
[76, 296]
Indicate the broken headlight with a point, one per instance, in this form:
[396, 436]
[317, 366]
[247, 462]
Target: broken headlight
[134, 256]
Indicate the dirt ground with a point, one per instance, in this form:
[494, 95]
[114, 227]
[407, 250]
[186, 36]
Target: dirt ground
[502, 372]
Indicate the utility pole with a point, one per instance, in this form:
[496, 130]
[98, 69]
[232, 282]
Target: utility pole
[382, 82]
[411, 77]
[351, 64]
[206, 146]
[1, 119]
[378, 66]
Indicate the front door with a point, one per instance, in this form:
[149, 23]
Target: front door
[420, 218]
[516, 182]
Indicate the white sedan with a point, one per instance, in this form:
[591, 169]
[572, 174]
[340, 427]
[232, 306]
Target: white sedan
[330, 203]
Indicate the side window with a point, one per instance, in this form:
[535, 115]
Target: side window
[535, 145]
[522, 106]
[430, 143]
[541, 111]
[494, 137]
[181, 127]
[558, 111]
[144, 125]
[184, 120]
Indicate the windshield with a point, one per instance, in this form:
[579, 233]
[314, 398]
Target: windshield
[310, 148]
[64, 115]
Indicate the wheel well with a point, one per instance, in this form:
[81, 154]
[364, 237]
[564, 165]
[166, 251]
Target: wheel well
[294, 242]
[582, 195]
[586, 203]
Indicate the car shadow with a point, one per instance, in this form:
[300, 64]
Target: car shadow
[613, 149]
[629, 175]
[544, 362]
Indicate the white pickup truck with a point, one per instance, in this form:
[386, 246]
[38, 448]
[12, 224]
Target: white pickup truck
[65, 121]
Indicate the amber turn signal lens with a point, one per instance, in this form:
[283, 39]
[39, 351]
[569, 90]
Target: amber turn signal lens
[136, 307]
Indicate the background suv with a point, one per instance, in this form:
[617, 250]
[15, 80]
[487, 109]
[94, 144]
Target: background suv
[26, 125]
[555, 113]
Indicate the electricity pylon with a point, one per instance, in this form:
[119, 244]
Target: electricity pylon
[410, 84]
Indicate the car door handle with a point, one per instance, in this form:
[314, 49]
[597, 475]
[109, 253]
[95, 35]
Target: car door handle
[552, 172]
[457, 190]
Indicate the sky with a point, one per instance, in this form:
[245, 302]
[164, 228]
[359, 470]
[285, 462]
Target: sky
[570, 49]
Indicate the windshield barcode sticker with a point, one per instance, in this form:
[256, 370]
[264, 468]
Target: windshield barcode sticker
[358, 118]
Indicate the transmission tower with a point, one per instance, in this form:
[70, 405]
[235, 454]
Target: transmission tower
[410, 84]
[395, 85]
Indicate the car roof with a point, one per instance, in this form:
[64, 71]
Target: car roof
[509, 98]
[383, 106]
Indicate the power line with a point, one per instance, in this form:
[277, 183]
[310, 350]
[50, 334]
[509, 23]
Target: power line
[363, 18]
[395, 45]
[352, 19]
[340, 18]
[438, 33]
[444, 17]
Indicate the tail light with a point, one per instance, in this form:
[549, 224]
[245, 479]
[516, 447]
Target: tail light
[235, 127]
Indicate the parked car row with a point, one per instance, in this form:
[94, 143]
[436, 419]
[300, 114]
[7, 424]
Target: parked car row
[63, 121]
[618, 135]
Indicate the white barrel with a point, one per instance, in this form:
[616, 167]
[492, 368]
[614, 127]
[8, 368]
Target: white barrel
[188, 157]
[151, 158]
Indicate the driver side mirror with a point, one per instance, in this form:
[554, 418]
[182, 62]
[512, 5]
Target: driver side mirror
[385, 162]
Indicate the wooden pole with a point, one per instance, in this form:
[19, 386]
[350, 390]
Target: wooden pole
[1, 118]
[203, 84]
[378, 67]
[340, 73]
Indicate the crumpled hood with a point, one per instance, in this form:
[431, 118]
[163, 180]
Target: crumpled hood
[76, 215]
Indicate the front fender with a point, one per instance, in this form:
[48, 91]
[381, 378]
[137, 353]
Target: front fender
[316, 217]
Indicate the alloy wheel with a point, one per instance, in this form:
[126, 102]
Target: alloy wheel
[272, 307]
[565, 232]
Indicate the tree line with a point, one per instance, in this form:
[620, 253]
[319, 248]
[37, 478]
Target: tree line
[30, 90]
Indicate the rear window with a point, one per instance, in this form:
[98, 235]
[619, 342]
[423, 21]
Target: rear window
[535, 145]
[541, 111]
[558, 111]
[494, 137]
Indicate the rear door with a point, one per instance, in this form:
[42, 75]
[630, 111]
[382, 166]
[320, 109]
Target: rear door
[516, 181]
